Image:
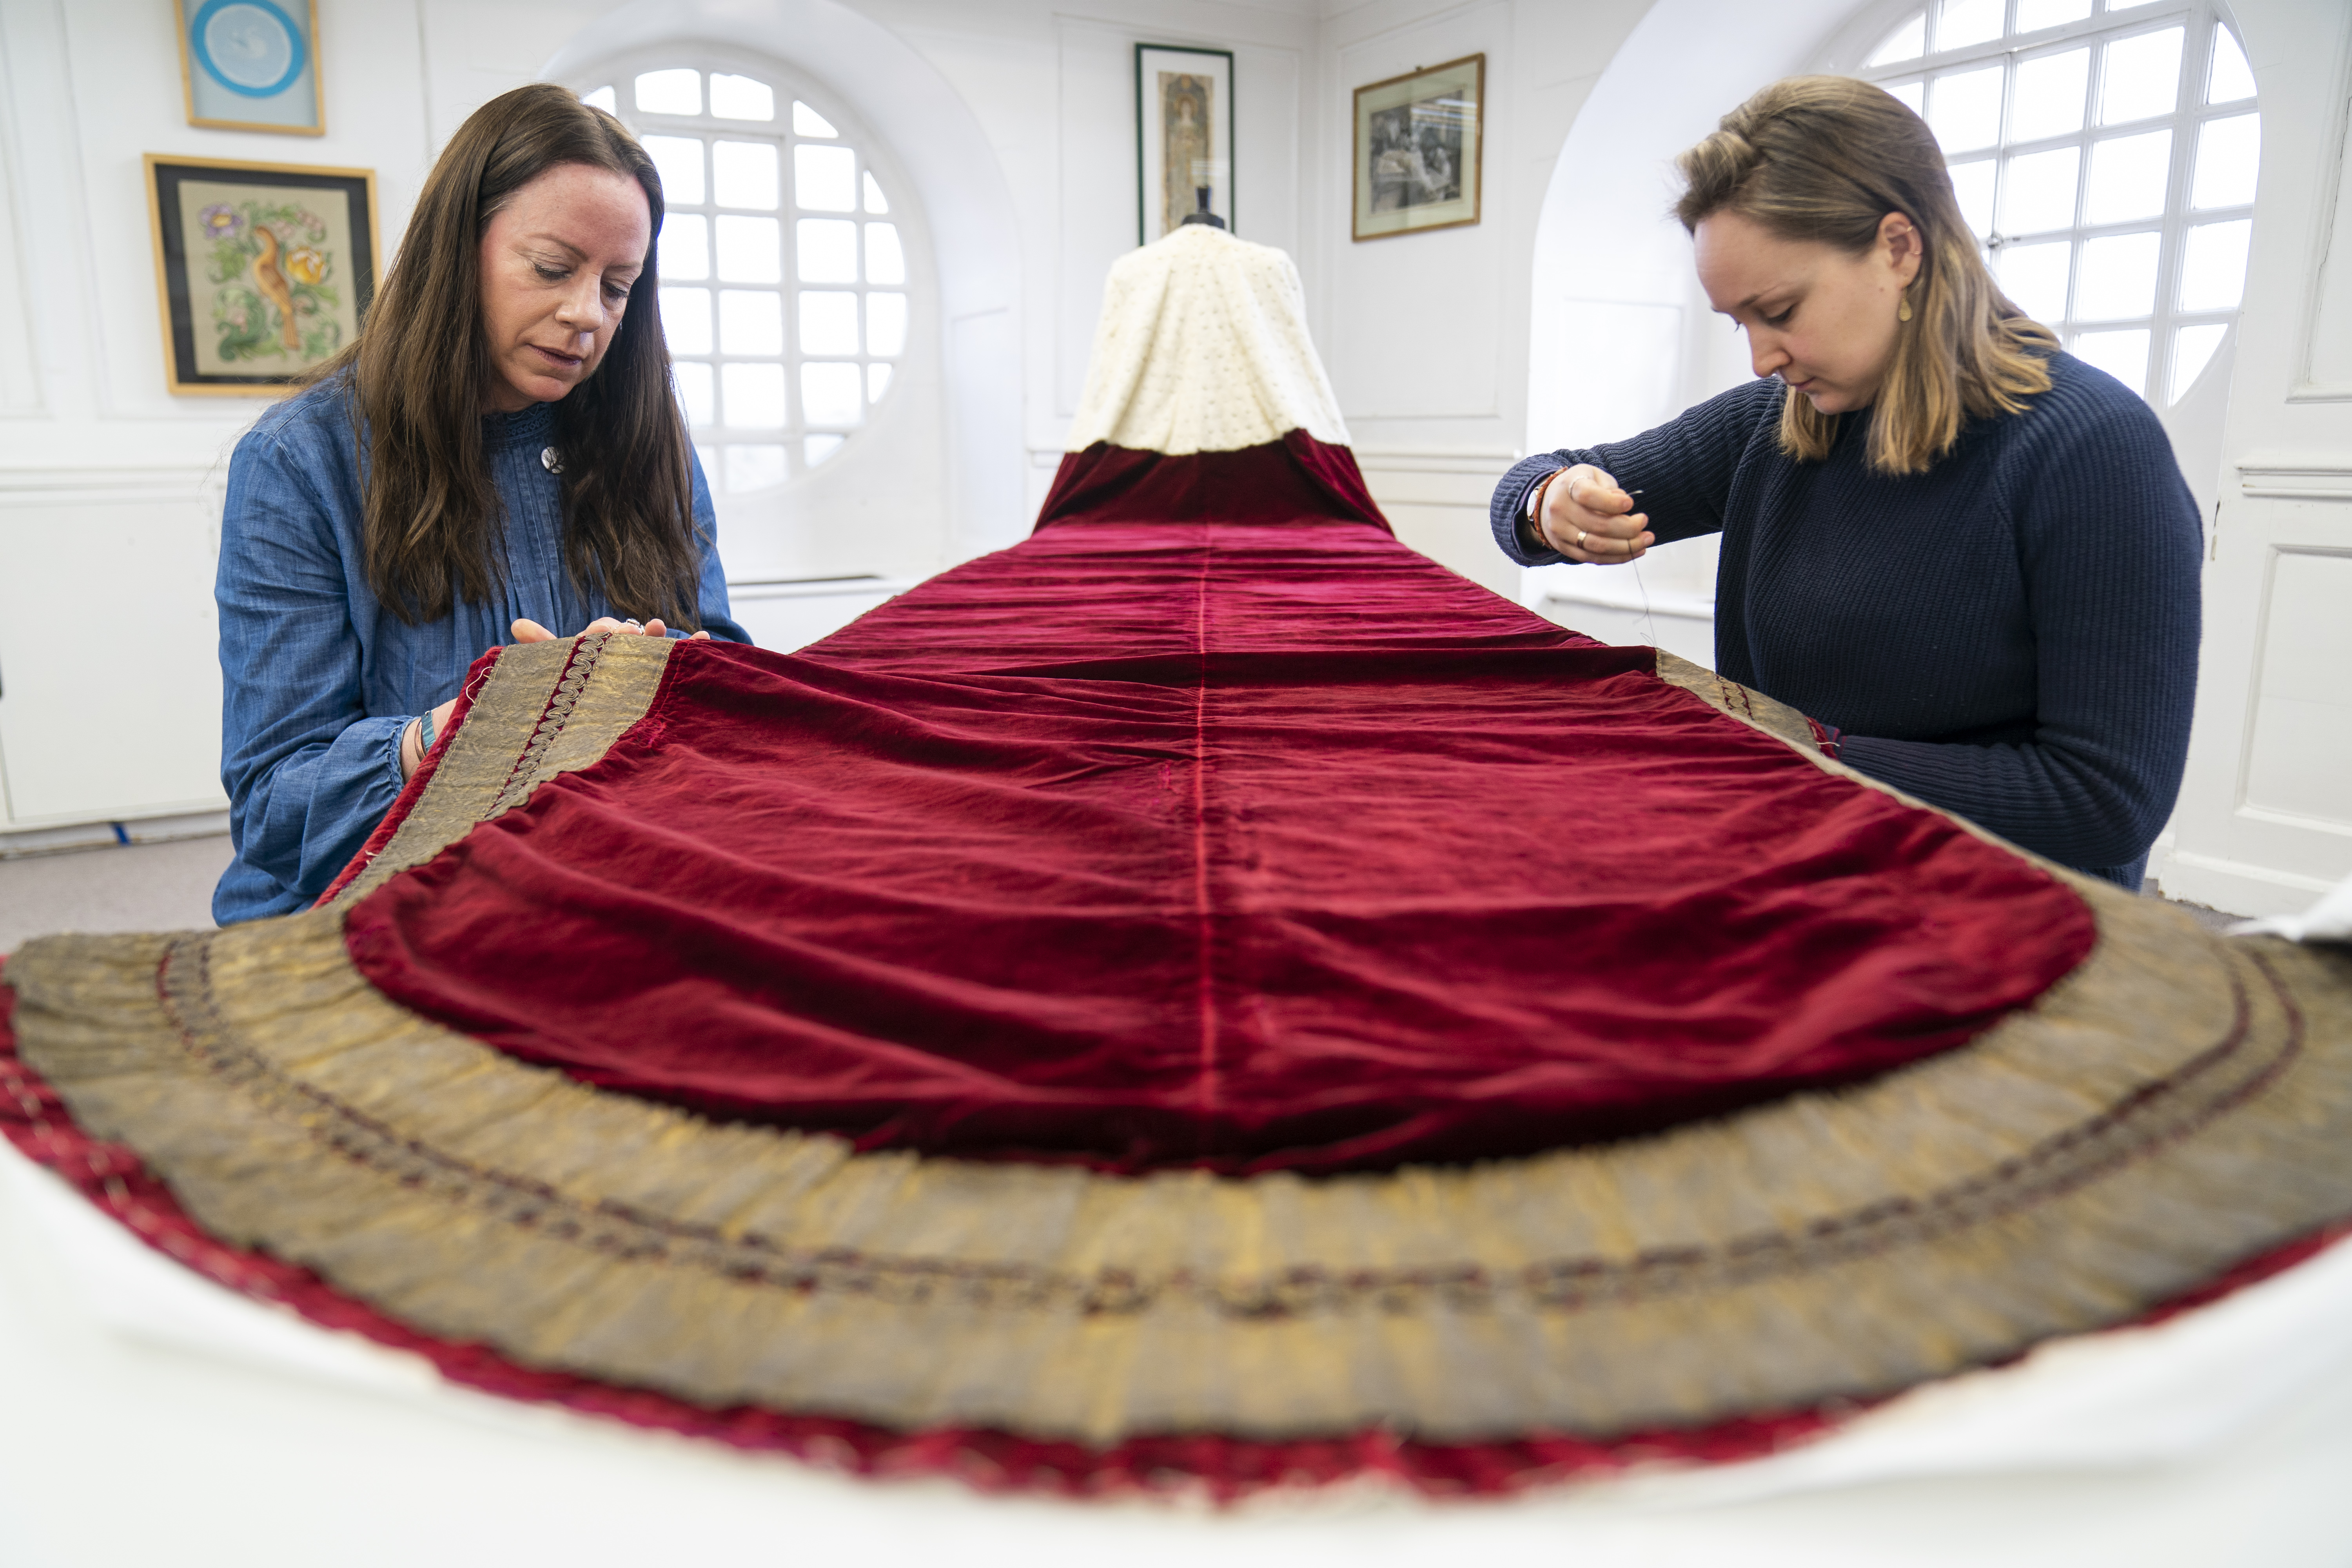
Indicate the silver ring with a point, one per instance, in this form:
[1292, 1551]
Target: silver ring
[633, 621]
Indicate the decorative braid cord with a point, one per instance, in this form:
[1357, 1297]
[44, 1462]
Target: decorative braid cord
[2179, 1103]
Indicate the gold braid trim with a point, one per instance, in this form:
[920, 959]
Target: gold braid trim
[2176, 1104]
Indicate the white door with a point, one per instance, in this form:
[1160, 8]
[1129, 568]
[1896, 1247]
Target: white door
[2266, 815]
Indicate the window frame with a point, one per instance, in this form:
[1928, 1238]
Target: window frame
[620, 71]
[1870, 28]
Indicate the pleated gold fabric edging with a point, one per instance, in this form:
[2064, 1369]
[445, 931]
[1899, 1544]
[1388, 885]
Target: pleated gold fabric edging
[2178, 1103]
[568, 701]
[2175, 1105]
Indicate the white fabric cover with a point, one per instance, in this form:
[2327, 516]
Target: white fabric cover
[2329, 919]
[154, 1417]
[1203, 347]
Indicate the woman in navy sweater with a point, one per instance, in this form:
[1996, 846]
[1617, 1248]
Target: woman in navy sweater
[1970, 555]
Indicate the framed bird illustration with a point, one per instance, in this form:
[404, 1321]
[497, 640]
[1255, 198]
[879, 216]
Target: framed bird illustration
[263, 270]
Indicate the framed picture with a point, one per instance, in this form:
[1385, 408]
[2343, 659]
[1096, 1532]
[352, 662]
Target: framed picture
[1183, 135]
[252, 65]
[1418, 144]
[263, 270]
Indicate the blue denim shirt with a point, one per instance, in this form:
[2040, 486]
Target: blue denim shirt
[319, 679]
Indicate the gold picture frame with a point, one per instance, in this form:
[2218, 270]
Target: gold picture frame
[1420, 149]
[252, 65]
[262, 270]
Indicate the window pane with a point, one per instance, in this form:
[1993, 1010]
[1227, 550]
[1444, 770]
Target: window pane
[828, 250]
[2228, 153]
[2050, 95]
[2232, 77]
[740, 98]
[695, 394]
[2193, 350]
[750, 251]
[816, 449]
[2032, 16]
[873, 202]
[755, 395]
[807, 121]
[1912, 95]
[1907, 42]
[685, 253]
[2213, 269]
[2034, 278]
[831, 395]
[2039, 194]
[750, 323]
[1964, 110]
[604, 98]
[2123, 355]
[678, 161]
[828, 323]
[1965, 22]
[884, 262]
[1972, 184]
[745, 174]
[2118, 277]
[709, 457]
[754, 467]
[824, 179]
[686, 319]
[2142, 77]
[886, 324]
[670, 92]
[2128, 176]
[877, 382]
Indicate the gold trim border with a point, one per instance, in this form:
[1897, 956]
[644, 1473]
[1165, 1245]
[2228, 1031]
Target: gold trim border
[2175, 1105]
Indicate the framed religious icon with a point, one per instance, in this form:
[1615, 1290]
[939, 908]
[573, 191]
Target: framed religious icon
[1418, 146]
[1183, 136]
[252, 65]
[263, 270]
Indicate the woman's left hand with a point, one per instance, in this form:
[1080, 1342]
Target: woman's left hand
[531, 631]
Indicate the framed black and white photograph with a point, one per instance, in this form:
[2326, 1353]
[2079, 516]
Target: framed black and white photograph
[1183, 136]
[1418, 144]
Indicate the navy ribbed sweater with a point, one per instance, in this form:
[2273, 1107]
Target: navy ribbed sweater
[2011, 636]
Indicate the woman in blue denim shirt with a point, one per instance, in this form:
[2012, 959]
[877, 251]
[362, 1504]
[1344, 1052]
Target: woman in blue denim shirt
[498, 456]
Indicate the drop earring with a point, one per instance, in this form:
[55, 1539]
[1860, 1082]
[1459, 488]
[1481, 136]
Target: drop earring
[1902, 311]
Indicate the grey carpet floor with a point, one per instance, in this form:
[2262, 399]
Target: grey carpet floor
[131, 887]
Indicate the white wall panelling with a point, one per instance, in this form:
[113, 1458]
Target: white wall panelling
[110, 685]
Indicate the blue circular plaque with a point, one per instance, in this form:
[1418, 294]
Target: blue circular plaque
[249, 47]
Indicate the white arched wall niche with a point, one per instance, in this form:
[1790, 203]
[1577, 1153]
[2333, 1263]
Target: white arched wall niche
[937, 511]
[1621, 338]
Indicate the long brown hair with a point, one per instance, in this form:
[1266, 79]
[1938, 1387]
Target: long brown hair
[421, 373]
[1826, 158]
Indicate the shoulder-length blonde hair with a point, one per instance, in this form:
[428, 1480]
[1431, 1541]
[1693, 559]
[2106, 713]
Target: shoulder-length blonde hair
[1826, 158]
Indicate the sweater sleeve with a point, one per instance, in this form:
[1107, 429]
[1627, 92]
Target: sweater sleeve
[2110, 548]
[1683, 470]
[308, 772]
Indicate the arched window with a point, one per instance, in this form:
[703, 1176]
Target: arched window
[2106, 155]
[785, 278]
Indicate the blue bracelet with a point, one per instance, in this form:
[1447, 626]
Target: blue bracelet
[424, 733]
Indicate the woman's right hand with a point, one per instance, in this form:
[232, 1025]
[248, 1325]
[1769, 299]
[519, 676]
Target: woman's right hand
[1586, 517]
[531, 631]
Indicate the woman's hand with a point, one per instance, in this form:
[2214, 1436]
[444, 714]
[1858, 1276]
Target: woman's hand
[531, 631]
[1586, 517]
[412, 750]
